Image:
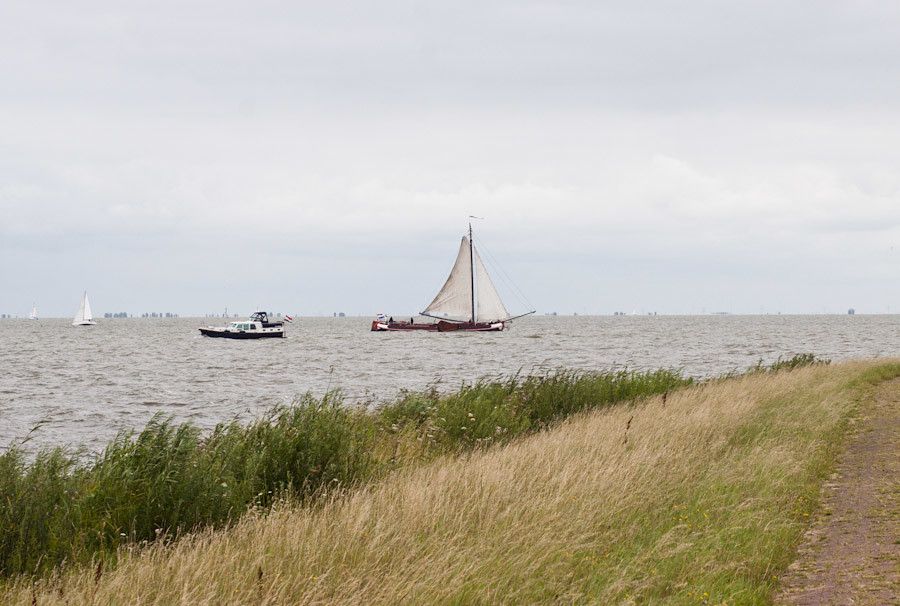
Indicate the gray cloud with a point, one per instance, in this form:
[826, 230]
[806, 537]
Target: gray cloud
[642, 156]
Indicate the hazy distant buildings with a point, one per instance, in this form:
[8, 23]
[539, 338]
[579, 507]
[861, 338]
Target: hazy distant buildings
[851, 312]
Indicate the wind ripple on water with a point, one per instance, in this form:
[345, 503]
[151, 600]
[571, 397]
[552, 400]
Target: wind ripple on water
[89, 383]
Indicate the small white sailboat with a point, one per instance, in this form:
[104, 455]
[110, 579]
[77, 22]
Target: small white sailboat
[84, 317]
[33, 315]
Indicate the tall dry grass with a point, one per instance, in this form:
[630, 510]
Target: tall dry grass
[697, 498]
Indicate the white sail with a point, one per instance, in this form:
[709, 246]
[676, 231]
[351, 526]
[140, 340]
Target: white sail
[88, 315]
[33, 314]
[79, 315]
[489, 307]
[84, 316]
[454, 300]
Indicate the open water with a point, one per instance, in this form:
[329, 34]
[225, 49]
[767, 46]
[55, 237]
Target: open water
[81, 385]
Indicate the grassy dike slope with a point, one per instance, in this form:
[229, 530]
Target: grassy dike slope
[698, 499]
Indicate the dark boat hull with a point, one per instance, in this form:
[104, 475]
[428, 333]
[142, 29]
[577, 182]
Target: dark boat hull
[441, 326]
[225, 334]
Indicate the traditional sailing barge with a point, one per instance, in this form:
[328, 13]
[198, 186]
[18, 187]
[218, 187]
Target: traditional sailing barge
[468, 301]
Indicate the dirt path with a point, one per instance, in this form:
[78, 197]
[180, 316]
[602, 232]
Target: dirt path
[851, 554]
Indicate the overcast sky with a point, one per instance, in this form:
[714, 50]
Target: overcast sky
[319, 157]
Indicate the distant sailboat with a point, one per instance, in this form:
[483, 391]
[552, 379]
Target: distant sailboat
[84, 317]
[33, 315]
[468, 300]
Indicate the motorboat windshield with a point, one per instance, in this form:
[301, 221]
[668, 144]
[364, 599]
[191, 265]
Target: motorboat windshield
[243, 326]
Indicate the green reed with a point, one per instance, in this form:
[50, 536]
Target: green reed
[58, 508]
[796, 361]
[491, 411]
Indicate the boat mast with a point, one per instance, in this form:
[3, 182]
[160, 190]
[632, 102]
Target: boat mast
[472, 269]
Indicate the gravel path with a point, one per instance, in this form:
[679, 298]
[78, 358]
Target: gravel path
[851, 554]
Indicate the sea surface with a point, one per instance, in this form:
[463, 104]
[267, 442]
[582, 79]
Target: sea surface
[79, 386]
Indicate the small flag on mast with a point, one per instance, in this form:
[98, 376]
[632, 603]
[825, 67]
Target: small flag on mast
[288, 318]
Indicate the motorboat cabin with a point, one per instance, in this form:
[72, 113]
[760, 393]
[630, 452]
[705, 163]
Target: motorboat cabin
[259, 326]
